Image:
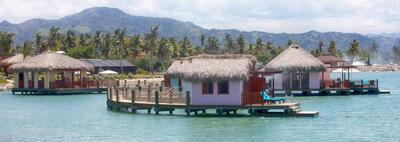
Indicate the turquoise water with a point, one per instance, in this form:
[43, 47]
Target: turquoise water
[86, 118]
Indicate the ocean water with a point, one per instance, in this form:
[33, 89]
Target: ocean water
[86, 118]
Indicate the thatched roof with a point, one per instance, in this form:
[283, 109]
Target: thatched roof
[328, 58]
[12, 60]
[295, 59]
[213, 67]
[50, 61]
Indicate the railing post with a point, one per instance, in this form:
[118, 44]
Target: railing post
[187, 103]
[362, 83]
[157, 106]
[133, 96]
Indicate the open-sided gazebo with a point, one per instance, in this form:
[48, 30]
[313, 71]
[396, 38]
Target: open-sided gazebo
[52, 72]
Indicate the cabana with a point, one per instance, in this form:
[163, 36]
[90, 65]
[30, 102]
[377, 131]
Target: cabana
[300, 70]
[216, 79]
[7, 62]
[51, 72]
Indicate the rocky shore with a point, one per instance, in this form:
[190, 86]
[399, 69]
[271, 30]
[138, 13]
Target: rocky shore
[379, 68]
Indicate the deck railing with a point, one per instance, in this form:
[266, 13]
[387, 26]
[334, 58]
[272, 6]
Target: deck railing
[335, 84]
[150, 92]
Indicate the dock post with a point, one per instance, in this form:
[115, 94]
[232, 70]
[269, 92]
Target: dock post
[377, 84]
[187, 103]
[133, 95]
[157, 103]
[117, 97]
[108, 95]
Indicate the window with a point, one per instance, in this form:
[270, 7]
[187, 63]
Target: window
[207, 87]
[223, 87]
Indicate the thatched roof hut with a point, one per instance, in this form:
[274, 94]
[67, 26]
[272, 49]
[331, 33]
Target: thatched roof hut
[12, 60]
[295, 59]
[48, 61]
[213, 67]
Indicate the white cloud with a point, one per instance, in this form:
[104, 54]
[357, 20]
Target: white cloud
[362, 16]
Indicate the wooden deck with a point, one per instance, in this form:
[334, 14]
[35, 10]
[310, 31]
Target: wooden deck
[59, 91]
[133, 100]
[330, 92]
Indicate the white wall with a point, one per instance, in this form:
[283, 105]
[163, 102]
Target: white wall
[315, 80]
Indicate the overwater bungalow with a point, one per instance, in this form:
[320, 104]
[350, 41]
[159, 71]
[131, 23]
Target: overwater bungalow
[213, 79]
[7, 62]
[304, 73]
[52, 73]
[300, 70]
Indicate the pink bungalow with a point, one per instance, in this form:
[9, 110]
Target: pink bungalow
[216, 79]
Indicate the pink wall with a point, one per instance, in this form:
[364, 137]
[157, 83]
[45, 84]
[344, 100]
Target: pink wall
[233, 98]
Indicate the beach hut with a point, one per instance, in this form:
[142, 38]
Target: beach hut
[300, 70]
[213, 79]
[7, 62]
[50, 71]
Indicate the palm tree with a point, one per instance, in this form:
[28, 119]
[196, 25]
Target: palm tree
[332, 49]
[105, 50]
[202, 40]
[212, 45]
[6, 44]
[185, 47]
[354, 50]
[53, 36]
[153, 37]
[162, 51]
[241, 43]
[27, 48]
[97, 40]
[259, 44]
[135, 46]
[39, 45]
[229, 44]
[174, 47]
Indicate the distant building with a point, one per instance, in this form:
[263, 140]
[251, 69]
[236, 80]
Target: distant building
[114, 65]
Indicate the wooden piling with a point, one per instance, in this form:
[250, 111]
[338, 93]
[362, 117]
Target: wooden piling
[133, 96]
[157, 103]
[187, 103]
[117, 98]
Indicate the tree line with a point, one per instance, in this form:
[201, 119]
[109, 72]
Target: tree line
[151, 52]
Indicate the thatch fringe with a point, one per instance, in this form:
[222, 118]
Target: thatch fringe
[50, 61]
[12, 60]
[213, 67]
[295, 59]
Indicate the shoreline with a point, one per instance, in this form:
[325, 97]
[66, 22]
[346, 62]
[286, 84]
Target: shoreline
[379, 68]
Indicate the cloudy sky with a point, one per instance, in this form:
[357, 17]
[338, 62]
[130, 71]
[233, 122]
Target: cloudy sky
[292, 16]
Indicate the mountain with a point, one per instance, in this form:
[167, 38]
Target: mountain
[109, 19]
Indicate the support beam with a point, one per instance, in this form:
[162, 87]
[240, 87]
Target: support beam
[26, 79]
[16, 80]
[35, 80]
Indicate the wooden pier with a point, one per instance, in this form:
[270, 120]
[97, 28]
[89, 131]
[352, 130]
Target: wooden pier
[157, 99]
